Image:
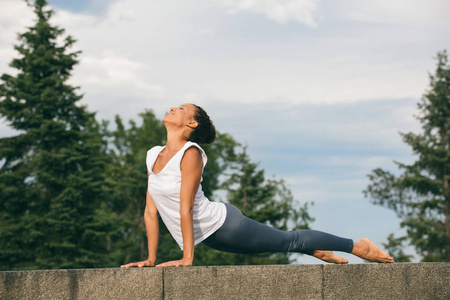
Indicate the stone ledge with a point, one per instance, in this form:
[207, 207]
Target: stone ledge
[355, 281]
[82, 284]
[387, 281]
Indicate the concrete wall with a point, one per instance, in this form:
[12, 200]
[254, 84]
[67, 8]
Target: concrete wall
[355, 281]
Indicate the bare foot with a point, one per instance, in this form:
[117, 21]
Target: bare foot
[367, 250]
[329, 256]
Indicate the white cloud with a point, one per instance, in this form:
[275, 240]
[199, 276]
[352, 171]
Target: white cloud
[116, 85]
[14, 17]
[111, 73]
[281, 11]
[193, 49]
[399, 11]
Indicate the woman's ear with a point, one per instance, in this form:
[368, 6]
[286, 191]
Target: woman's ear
[192, 124]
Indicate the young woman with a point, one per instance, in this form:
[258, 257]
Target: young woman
[174, 191]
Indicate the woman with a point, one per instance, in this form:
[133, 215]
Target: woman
[174, 190]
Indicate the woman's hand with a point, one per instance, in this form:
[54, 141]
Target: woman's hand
[184, 262]
[140, 264]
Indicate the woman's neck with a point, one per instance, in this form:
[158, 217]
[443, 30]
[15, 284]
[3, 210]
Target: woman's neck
[175, 141]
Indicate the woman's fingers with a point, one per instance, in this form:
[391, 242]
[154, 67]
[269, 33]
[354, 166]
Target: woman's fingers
[146, 263]
[175, 263]
[168, 264]
[137, 264]
[143, 264]
[128, 265]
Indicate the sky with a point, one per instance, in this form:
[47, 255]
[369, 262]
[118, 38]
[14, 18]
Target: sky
[317, 89]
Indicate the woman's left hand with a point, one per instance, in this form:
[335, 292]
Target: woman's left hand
[184, 262]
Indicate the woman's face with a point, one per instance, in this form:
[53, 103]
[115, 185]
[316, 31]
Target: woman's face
[182, 115]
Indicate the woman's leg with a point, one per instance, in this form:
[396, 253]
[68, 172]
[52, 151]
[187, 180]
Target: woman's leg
[240, 234]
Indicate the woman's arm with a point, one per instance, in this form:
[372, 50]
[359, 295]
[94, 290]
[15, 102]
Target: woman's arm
[191, 172]
[152, 228]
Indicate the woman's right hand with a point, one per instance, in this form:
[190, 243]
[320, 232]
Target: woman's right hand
[140, 264]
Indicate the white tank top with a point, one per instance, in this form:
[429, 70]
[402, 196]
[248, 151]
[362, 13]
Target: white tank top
[164, 188]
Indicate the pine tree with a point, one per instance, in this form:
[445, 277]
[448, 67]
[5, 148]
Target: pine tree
[421, 194]
[51, 171]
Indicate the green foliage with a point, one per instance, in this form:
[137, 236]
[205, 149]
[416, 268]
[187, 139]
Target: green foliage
[421, 194]
[50, 171]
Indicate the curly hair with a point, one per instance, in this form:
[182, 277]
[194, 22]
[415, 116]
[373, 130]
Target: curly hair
[205, 132]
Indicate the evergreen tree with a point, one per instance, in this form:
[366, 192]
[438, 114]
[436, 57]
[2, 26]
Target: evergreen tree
[51, 170]
[421, 194]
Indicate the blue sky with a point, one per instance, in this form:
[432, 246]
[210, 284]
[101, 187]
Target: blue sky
[318, 90]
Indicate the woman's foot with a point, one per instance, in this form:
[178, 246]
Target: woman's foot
[367, 250]
[329, 256]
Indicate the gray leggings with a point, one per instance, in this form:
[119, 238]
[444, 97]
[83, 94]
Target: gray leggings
[240, 234]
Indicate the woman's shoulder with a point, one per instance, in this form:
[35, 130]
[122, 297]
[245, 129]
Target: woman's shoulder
[190, 145]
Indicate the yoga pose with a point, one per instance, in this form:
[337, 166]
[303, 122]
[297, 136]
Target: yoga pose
[174, 191]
